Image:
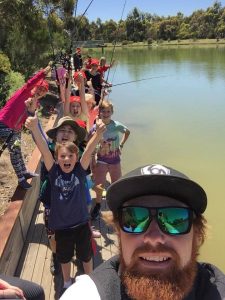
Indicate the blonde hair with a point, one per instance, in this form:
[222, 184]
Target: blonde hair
[106, 104]
[89, 98]
[102, 59]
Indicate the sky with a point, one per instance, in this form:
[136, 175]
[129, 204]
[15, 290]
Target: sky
[112, 9]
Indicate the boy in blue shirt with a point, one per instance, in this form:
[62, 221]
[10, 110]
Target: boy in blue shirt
[69, 213]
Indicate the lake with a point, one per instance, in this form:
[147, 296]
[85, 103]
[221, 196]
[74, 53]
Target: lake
[177, 119]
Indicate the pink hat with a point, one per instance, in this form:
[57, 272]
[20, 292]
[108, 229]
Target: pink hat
[74, 99]
[43, 83]
[94, 61]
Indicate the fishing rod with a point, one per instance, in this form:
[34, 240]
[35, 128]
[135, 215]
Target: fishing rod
[114, 47]
[81, 17]
[132, 81]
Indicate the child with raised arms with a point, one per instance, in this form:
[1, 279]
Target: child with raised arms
[69, 213]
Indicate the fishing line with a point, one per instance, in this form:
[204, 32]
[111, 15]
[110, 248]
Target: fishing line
[114, 47]
[132, 81]
[77, 35]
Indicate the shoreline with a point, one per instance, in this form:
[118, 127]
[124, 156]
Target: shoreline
[160, 43]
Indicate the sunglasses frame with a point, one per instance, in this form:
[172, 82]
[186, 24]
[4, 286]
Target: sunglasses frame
[155, 216]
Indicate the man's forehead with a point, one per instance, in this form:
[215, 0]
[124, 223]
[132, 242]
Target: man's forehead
[154, 201]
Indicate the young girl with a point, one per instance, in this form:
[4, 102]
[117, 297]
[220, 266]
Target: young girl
[108, 152]
[69, 214]
[12, 117]
[76, 106]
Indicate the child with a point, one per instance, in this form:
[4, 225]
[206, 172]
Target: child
[76, 106]
[108, 152]
[69, 214]
[103, 67]
[66, 130]
[12, 117]
[95, 78]
[93, 110]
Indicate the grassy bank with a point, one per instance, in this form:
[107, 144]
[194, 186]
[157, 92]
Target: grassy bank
[162, 43]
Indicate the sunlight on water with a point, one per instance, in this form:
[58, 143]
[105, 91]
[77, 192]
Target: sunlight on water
[178, 120]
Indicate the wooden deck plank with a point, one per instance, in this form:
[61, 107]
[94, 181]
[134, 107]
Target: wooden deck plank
[32, 251]
[47, 278]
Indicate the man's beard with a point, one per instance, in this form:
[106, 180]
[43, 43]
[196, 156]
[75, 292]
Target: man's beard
[172, 284]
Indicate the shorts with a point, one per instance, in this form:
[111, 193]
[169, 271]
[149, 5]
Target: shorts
[101, 169]
[78, 238]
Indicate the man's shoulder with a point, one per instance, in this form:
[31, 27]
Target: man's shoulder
[106, 279]
[112, 263]
[211, 280]
[212, 270]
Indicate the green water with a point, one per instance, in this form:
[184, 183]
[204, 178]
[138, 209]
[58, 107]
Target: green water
[177, 120]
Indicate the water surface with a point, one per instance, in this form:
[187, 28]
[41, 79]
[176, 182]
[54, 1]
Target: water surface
[177, 120]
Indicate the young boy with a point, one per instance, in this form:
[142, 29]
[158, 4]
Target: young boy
[66, 130]
[69, 214]
[108, 152]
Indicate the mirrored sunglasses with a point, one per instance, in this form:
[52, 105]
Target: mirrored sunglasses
[171, 220]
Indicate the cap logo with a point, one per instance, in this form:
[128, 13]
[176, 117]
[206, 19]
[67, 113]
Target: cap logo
[155, 170]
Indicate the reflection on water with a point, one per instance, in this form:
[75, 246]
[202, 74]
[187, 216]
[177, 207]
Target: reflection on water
[178, 120]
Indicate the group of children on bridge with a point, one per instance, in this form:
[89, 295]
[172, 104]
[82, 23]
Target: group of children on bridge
[85, 141]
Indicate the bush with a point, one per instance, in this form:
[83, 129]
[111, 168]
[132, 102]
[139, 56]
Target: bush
[5, 66]
[150, 41]
[125, 42]
[9, 83]
[16, 81]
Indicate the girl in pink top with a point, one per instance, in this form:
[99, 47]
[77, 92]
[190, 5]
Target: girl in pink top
[12, 117]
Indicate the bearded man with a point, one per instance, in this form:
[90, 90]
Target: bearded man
[158, 215]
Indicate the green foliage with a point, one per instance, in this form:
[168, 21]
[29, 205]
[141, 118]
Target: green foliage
[150, 41]
[9, 83]
[5, 65]
[16, 80]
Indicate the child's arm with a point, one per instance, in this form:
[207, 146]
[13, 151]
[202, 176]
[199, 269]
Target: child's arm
[124, 138]
[94, 140]
[80, 83]
[32, 124]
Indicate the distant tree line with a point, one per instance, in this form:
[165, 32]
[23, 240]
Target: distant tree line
[31, 31]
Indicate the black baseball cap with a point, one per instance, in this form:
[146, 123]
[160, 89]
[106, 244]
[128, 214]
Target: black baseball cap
[156, 179]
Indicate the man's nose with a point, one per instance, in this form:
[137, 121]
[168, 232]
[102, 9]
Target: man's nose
[154, 235]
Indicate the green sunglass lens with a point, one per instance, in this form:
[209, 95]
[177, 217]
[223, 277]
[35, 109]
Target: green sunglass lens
[174, 220]
[135, 219]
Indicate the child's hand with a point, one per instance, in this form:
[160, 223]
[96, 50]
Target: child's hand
[48, 68]
[79, 79]
[32, 122]
[89, 83]
[100, 126]
[31, 104]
